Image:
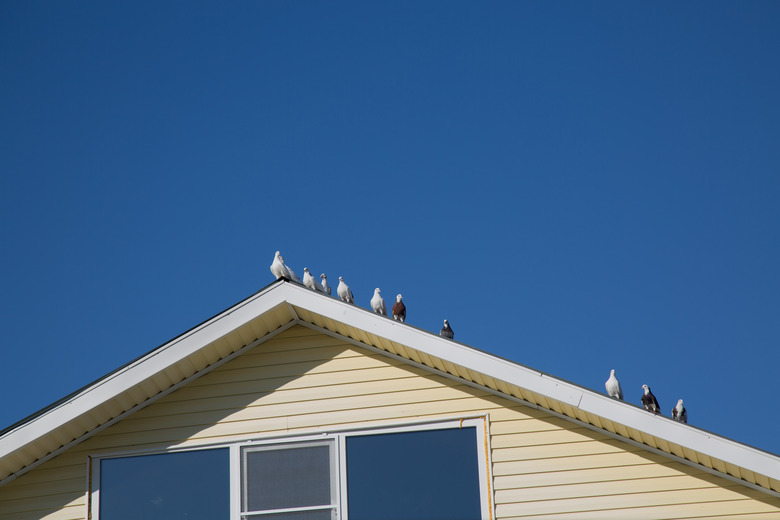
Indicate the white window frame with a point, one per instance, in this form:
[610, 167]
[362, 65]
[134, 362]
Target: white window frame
[334, 476]
[337, 440]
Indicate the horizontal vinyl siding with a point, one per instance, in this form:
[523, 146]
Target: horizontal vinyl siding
[302, 381]
[549, 468]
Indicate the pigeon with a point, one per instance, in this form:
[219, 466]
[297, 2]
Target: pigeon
[280, 270]
[446, 330]
[344, 292]
[310, 282]
[679, 413]
[613, 386]
[325, 283]
[399, 309]
[378, 303]
[649, 401]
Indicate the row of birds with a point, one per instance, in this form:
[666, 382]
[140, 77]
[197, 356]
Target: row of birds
[650, 403]
[281, 270]
[398, 311]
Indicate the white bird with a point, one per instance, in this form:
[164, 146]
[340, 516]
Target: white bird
[281, 270]
[344, 292]
[399, 309]
[613, 386]
[311, 282]
[278, 268]
[378, 303]
[446, 331]
[679, 413]
[325, 283]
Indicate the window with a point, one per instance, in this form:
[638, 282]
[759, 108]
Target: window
[186, 484]
[431, 471]
[420, 475]
[289, 482]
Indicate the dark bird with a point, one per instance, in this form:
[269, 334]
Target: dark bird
[679, 413]
[446, 331]
[649, 401]
[399, 309]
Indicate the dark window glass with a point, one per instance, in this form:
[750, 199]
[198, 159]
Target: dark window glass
[422, 475]
[287, 477]
[194, 485]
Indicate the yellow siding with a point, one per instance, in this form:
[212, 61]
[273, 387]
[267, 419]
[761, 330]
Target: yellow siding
[303, 381]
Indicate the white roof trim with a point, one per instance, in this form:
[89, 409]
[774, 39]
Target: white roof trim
[279, 293]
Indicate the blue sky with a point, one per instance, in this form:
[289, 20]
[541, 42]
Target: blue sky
[575, 186]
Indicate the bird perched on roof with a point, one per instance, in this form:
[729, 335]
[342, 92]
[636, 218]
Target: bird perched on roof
[311, 282]
[649, 401]
[281, 270]
[325, 283]
[679, 413]
[399, 309]
[613, 386]
[378, 303]
[344, 292]
[446, 331]
[278, 269]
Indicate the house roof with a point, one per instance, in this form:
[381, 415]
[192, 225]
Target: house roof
[284, 304]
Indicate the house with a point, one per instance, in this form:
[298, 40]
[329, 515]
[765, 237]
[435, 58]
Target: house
[294, 405]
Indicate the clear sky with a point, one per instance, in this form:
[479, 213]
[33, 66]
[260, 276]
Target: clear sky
[576, 186]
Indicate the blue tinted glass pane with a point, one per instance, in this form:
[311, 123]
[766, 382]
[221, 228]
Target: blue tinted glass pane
[425, 475]
[194, 485]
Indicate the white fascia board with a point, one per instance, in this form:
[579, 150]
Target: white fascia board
[685, 435]
[142, 369]
[586, 400]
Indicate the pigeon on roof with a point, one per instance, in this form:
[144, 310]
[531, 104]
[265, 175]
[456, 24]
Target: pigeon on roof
[378, 303]
[446, 330]
[613, 386]
[281, 270]
[679, 413]
[344, 292]
[311, 282]
[325, 283]
[278, 268]
[399, 309]
[649, 401]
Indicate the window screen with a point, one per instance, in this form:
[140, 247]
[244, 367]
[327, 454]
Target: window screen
[419, 475]
[289, 477]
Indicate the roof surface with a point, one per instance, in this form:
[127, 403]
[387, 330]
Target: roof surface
[284, 304]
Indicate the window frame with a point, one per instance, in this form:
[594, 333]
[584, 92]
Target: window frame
[336, 438]
[333, 470]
